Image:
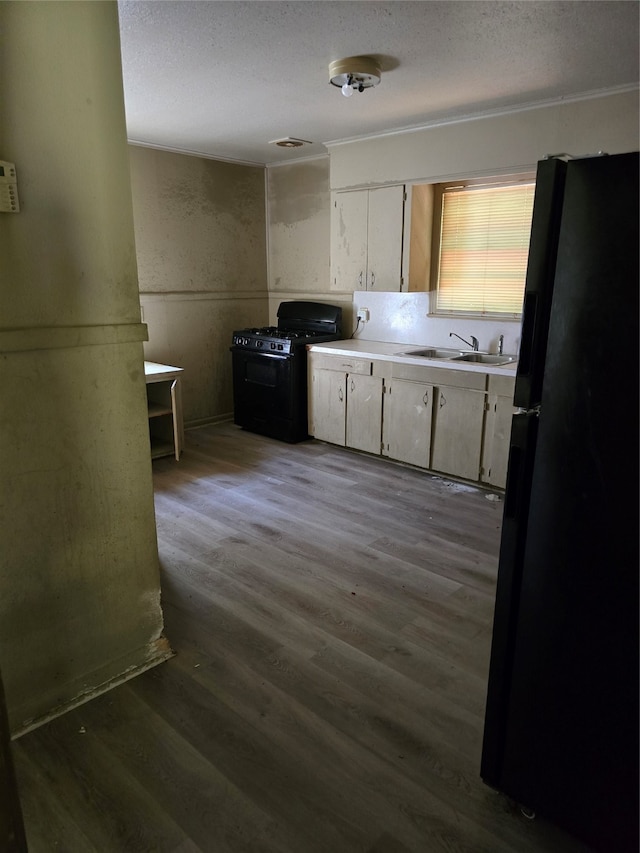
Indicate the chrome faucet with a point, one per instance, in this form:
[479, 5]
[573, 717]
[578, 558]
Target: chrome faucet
[474, 343]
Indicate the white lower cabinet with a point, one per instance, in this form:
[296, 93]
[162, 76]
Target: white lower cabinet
[457, 432]
[364, 412]
[345, 402]
[452, 419]
[497, 430]
[455, 422]
[327, 405]
[408, 408]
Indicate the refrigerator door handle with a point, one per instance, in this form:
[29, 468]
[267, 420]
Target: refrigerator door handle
[529, 324]
[522, 449]
[513, 492]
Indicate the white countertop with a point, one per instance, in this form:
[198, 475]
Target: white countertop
[154, 371]
[384, 351]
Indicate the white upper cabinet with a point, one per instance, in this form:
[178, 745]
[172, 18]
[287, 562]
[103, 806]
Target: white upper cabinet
[366, 239]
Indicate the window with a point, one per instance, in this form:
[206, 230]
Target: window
[482, 247]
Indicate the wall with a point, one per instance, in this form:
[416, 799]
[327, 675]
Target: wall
[404, 318]
[298, 216]
[201, 243]
[299, 231]
[492, 145]
[79, 576]
[488, 145]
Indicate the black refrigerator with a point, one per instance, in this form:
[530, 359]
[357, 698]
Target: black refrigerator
[561, 722]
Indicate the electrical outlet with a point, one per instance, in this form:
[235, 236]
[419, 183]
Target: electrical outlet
[363, 315]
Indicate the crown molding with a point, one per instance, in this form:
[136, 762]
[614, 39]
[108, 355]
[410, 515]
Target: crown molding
[492, 113]
[399, 131]
[296, 160]
[139, 143]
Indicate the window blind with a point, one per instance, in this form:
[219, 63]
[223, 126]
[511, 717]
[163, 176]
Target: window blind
[484, 247]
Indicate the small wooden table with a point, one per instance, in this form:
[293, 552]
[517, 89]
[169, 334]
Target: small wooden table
[164, 402]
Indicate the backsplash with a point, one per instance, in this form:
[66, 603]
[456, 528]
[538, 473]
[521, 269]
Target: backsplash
[403, 318]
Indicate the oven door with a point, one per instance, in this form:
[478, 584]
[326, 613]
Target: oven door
[269, 394]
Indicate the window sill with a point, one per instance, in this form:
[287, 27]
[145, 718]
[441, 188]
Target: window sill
[501, 318]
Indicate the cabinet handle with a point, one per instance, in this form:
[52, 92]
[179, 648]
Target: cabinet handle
[373, 280]
[442, 400]
[425, 399]
[340, 395]
[360, 279]
[353, 385]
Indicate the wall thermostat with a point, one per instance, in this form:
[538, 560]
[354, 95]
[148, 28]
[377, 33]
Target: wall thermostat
[8, 188]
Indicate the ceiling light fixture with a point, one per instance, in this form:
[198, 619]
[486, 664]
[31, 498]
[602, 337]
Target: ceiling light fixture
[355, 73]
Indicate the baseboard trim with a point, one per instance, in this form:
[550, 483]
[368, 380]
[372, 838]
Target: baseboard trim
[159, 652]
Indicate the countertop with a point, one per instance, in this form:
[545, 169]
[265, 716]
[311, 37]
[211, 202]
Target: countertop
[384, 351]
[155, 372]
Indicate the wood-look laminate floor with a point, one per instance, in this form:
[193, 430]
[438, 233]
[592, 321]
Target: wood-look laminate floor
[331, 618]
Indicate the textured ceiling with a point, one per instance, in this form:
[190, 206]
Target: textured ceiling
[224, 78]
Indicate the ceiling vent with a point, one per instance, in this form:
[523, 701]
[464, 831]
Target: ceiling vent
[290, 142]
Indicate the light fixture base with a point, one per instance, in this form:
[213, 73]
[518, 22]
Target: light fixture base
[354, 73]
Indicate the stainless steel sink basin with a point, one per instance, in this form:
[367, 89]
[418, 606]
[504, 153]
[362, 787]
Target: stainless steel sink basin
[433, 352]
[485, 358]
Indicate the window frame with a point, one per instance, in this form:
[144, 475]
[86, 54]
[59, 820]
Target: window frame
[489, 182]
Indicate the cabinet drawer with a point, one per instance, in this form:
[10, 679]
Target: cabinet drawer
[476, 381]
[343, 364]
[502, 386]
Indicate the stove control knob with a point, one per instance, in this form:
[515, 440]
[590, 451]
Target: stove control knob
[259, 343]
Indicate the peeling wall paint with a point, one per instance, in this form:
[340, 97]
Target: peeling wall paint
[298, 191]
[201, 240]
[199, 224]
[299, 223]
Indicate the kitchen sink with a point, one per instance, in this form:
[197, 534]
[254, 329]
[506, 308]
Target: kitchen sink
[457, 355]
[485, 358]
[433, 352]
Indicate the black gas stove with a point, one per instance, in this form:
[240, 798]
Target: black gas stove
[270, 368]
[275, 340]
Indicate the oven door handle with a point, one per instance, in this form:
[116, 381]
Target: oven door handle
[260, 353]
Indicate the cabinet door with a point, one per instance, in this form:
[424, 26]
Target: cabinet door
[407, 413]
[164, 404]
[327, 406]
[349, 240]
[364, 412]
[384, 238]
[497, 433]
[457, 434]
